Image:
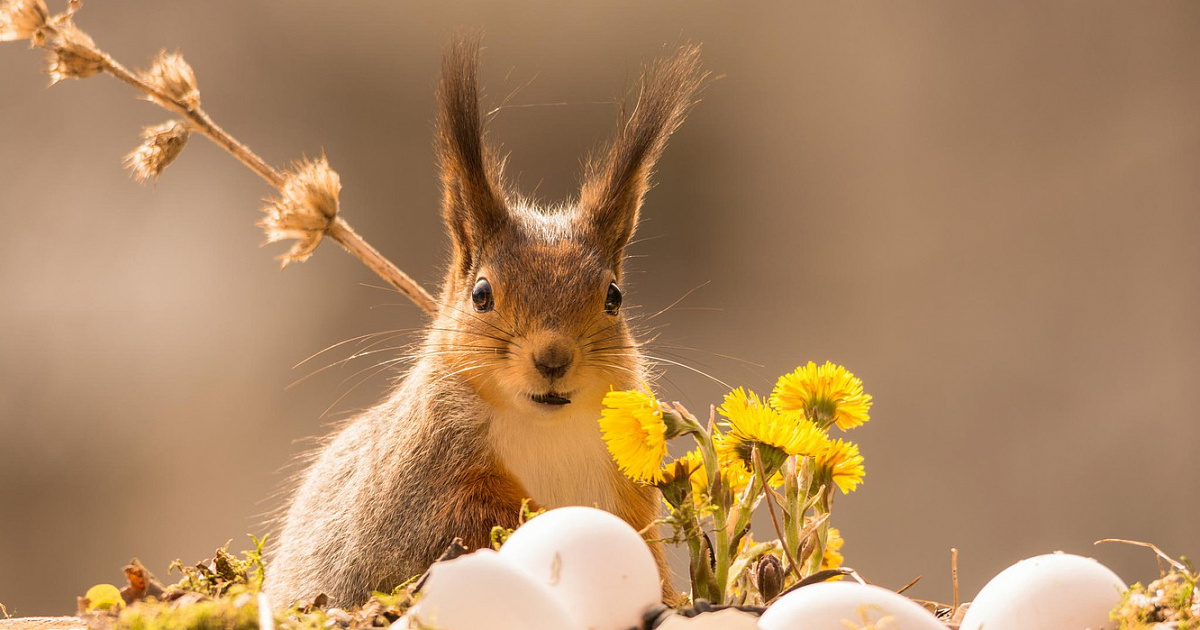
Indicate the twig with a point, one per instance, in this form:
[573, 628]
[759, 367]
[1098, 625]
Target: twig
[954, 573]
[198, 119]
[173, 88]
[911, 583]
[340, 231]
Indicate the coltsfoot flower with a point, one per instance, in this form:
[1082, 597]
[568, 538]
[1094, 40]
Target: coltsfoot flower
[161, 144]
[841, 463]
[21, 19]
[307, 203]
[751, 421]
[826, 394]
[635, 433]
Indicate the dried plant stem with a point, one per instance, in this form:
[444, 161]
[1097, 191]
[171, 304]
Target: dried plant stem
[345, 235]
[954, 573]
[199, 120]
[337, 228]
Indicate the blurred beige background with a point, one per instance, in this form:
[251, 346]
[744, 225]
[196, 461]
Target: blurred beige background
[988, 210]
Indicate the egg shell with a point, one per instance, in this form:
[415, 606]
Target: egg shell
[1056, 591]
[481, 591]
[833, 605]
[597, 565]
[728, 619]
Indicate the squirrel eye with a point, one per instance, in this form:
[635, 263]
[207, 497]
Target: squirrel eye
[481, 296]
[612, 303]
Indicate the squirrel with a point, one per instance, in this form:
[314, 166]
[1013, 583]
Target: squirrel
[503, 401]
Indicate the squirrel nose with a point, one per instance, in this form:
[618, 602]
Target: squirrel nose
[552, 359]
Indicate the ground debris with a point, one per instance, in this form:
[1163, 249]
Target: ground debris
[223, 593]
[1169, 603]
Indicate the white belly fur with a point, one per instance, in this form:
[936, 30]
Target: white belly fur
[559, 458]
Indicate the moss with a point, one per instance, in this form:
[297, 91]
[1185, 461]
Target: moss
[223, 593]
[217, 614]
[1171, 599]
[224, 571]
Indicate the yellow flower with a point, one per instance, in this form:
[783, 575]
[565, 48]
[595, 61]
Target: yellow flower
[632, 426]
[826, 394]
[751, 421]
[833, 550]
[841, 463]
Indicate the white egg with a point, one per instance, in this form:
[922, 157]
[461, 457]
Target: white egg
[841, 605]
[728, 619]
[597, 564]
[481, 591]
[1056, 591]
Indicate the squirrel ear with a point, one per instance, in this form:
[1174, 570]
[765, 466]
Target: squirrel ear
[616, 181]
[473, 203]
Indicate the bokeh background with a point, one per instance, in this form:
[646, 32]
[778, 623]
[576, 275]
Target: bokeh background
[988, 210]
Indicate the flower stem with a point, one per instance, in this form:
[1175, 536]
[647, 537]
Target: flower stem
[709, 583]
[822, 506]
[793, 520]
[768, 492]
[720, 514]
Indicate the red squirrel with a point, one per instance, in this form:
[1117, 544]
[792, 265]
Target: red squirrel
[503, 403]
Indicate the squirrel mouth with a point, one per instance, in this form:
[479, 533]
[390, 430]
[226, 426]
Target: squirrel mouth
[550, 398]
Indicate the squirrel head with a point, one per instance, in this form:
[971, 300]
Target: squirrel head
[530, 312]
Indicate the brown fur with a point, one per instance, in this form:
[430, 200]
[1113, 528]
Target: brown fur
[460, 443]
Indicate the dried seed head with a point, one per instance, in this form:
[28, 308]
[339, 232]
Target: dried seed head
[307, 203]
[73, 54]
[21, 19]
[161, 144]
[172, 76]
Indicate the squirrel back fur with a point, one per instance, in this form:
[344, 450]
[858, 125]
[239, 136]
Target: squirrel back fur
[502, 403]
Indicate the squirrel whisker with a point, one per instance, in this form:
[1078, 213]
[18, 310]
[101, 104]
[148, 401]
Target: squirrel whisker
[476, 318]
[685, 366]
[394, 332]
[681, 298]
[652, 345]
[340, 363]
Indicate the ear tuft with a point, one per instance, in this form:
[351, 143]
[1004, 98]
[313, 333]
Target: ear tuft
[473, 203]
[616, 182]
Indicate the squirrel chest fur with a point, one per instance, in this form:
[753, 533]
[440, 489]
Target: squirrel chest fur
[561, 463]
[502, 404]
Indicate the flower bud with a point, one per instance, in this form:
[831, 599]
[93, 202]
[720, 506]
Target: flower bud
[675, 422]
[161, 144]
[676, 485]
[21, 19]
[769, 577]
